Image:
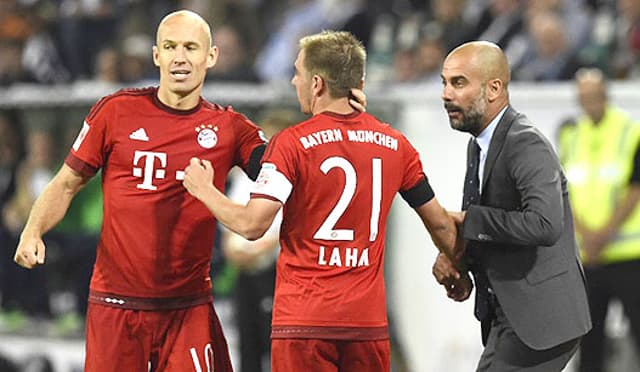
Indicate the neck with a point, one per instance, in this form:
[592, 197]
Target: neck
[336, 105]
[179, 101]
[597, 119]
[491, 113]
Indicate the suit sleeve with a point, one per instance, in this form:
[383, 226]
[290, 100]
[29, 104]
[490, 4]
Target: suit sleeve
[536, 173]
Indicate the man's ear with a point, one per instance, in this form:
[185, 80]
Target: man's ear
[317, 85]
[156, 58]
[494, 89]
[212, 57]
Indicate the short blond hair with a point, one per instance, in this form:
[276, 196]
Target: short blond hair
[338, 57]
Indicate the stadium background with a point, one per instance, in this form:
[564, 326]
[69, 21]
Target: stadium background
[47, 85]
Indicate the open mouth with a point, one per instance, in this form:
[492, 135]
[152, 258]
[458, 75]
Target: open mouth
[454, 113]
[180, 74]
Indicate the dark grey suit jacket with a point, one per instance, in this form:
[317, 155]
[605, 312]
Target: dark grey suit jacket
[522, 234]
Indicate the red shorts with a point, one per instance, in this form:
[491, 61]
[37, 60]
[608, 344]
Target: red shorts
[313, 355]
[188, 339]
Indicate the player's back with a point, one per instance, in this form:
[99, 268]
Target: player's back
[345, 172]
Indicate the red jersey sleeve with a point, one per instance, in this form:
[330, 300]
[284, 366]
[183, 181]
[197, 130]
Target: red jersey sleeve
[89, 150]
[413, 166]
[281, 152]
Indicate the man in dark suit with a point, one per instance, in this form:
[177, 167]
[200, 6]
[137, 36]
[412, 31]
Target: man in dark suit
[516, 223]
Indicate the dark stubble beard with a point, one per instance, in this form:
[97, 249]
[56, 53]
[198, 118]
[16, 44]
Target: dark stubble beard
[472, 118]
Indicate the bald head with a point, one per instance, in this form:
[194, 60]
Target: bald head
[184, 17]
[486, 59]
[475, 76]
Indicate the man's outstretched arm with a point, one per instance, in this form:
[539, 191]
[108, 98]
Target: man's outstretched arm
[250, 221]
[48, 209]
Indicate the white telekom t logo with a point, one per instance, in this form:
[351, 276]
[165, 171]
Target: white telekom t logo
[150, 157]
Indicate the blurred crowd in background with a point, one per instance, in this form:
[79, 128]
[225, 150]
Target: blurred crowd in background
[63, 41]
[57, 42]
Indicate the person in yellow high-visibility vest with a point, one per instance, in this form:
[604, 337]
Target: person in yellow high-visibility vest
[601, 157]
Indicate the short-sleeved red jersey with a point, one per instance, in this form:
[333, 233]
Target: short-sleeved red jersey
[156, 239]
[337, 176]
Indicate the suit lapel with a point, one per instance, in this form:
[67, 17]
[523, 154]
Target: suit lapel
[497, 141]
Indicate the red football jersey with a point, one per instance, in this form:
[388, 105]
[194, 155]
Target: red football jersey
[156, 239]
[337, 176]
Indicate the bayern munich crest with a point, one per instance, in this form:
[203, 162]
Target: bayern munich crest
[207, 136]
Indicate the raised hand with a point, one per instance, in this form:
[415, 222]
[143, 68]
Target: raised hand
[358, 100]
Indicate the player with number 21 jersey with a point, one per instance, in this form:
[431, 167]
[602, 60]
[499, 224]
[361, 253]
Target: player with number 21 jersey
[337, 176]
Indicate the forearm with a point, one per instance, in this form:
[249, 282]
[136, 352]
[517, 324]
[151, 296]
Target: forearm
[236, 217]
[444, 238]
[441, 227]
[623, 209]
[49, 208]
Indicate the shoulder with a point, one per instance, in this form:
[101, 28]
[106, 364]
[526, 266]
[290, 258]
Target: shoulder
[524, 139]
[123, 95]
[388, 130]
[229, 112]
[523, 129]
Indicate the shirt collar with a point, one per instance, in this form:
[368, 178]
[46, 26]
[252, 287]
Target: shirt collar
[484, 139]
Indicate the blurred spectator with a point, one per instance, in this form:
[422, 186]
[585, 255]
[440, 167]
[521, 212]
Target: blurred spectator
[575, 23]
[23, 292]
[601, 155]
[27, 46]
[232, 64]
[420, 64]
[11, 70]
[10, 155]
[11, 150]
[41, 56]
[449, 24]
[429, 57]
[136, 59]
[500, 21]
[14, 21]
[7, 365]
[303, 17]
[107, 66]
[551, 56]
[255, 260]
[84, 27]
[15, 29]
[573, 14]
[626, 61]
[404, 66]
[33, 175]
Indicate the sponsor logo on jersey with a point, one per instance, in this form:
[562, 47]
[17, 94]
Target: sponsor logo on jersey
[81, 136]
[207, 136]
[149, 165]
[139, 135]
